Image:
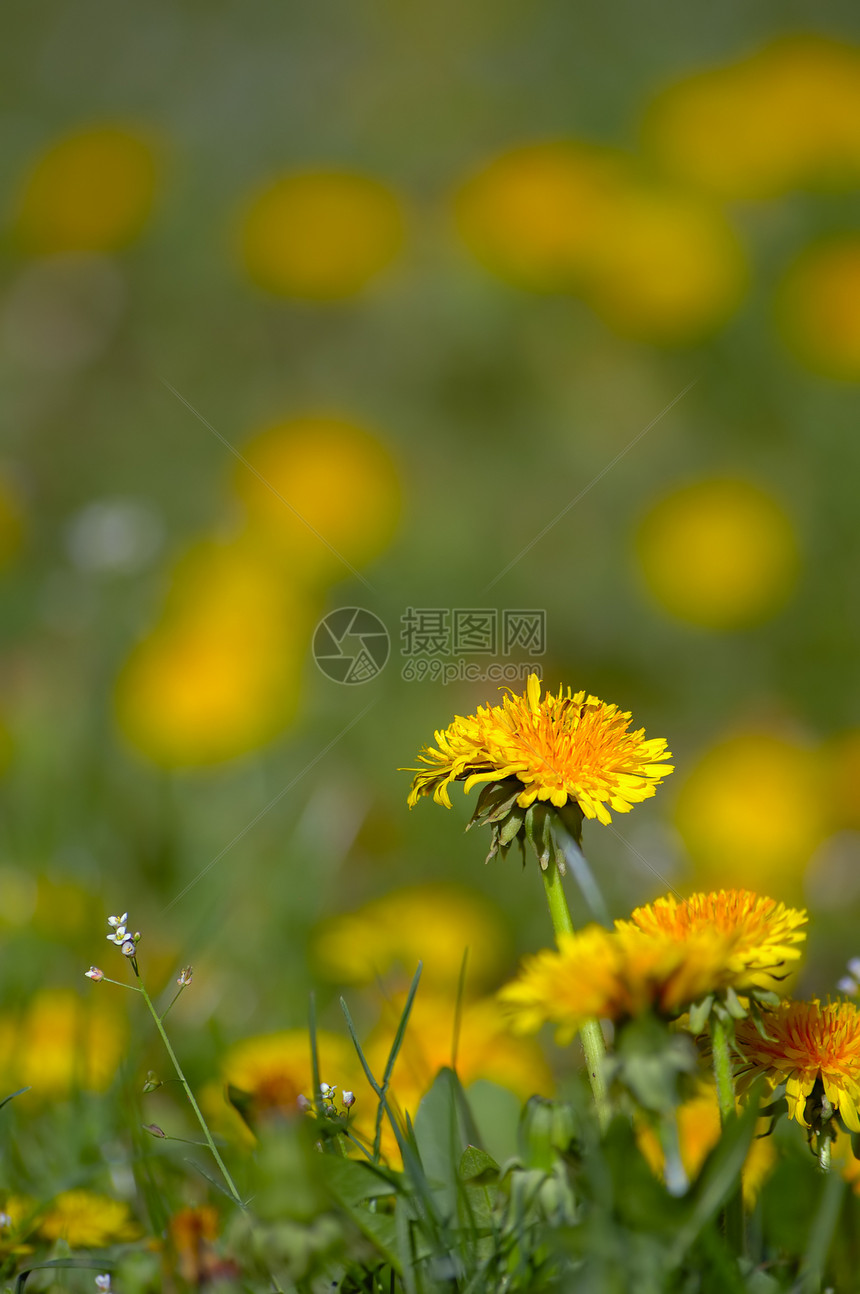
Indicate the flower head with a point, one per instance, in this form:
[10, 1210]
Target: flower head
[807, 1046]
[561, 748]
[548, 764]
[761, 934]
[95, 974]
[606, 974]
[88, 1221]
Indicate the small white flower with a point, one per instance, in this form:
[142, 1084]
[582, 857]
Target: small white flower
[327, 1090]
[128, 949]
[95, 974]
[847, 985]
[348, 1099]
[103, 1283]
[854, 967]
[118, 921]
[185, 977]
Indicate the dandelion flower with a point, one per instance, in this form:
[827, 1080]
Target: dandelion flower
[605, 974]
[565, 748]
[807, 1044]
[88, 1221]
[762, 935]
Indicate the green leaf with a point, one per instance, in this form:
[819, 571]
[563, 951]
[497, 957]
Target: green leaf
[476, 1165]
[355, 1182]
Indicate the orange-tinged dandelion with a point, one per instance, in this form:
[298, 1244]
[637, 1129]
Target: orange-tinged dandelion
[569, 747]
[762, 935]
[807, 1043]
[605, 974]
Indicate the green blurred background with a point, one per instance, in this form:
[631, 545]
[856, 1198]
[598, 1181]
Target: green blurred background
[426, 274]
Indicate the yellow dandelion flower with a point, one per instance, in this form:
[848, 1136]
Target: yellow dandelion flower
[431, 923]
[787, 116]
[666, 266]
[321, 235]
[92, 190]
[322, 491]
[817, 308]
[762, 935]
[719, 553]
[565, 748]
[484, 1049]
[221, 673]
[88, 1221]
[275, 1069]
[532, 214]
[606, 974]
[807, 1044]
[780, 825]
[62, 1043]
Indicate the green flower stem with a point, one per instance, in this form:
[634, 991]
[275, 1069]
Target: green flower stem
[734, 1211]
[188, 1092]
[590, 1033]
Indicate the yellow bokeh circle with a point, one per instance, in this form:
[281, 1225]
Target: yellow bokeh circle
[321, 235]
[787, 116]
[818, 308]
[720, 553]
[531, 215]
[91, 191]
[752, 812]
[320, 491]
[665, 266]
[221, 673]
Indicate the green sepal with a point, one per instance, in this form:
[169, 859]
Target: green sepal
[699, 1013]
[734, 1006]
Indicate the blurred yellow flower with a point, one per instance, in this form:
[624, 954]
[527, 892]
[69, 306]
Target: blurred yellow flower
[484, 1049]
[564, 747]
[720, 553]
[614, 974]
[787, 116]
[435, 924]
[88, 1221]
[92, 190]
[531, 215]
[321, 235]
[698, 1134]
[221, 674]
[841, 760]
[268, 1074]
[327, 493]
[11, 521]
[60, 1043]
[818, 308]
[274, 1069]
[665, 266]
[563, 216]
[752, 812]
[762, 935]
[806, 1044]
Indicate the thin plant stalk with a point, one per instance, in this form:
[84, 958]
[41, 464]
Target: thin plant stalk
[721, 1045]
[191, 1098]
[591, 1034]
